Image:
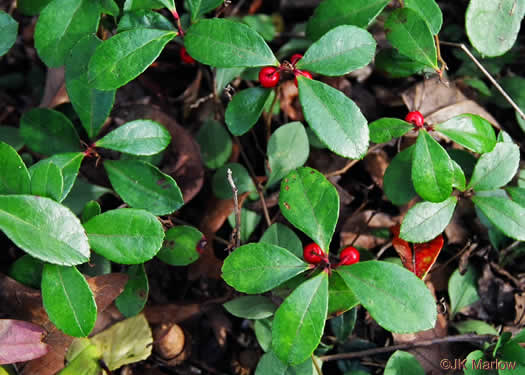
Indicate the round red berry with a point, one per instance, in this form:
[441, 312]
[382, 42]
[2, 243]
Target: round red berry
[349, 255]
[296, 57]
[416, 118]
[185, 56]
[269, 76]
[313, 254]
[303, 73]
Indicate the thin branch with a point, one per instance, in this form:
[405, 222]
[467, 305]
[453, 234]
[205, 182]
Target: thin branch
[237, 232]
[351, 163]
[317, 368]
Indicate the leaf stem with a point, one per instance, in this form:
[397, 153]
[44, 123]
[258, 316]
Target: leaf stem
[317, 368]
[237, 232]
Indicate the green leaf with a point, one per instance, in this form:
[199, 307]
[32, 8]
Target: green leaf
[385, 129]
[339, 51]
[8, 30]
[288, 149]
[125, 56]
[110, 7]
[11, 136]
[130, 5]
[471, 131]
[397, 181]
[396, 298]
[462, 290]
[144, 18]
[432, 169]
[68, 300]
[270, 364]
[245, 109]
[517, 194]
[92, 106]
[341, 298]
[334, 118]
[31, 7]
[27, 270]
[263, 24]
[47, 180]
[280, 235]
[429, 11]
[132, 300]
[464, 158]
[69, 164]
[44, 229]
[492, 27]
[496, 168]
[198, 8]
[249, 221]
[227, 44]
[299, 322]
[126, 235]
[48, 132]
[396, 65]
[403, 363]
[170, 4]
[506, 215]
[310, 203]
[91, 209]
[241, 177]
[216, 144]
[343, 325]
[250, 307]
[181, 246]
[332, 13]
[479, 327]
[139, 137]
[14, 176]
[84, 360]
[142, 185]
[259, 267]
[263, 333]
[425, 221]
[460, 181]
[411, 36]
[223, 76]
[61, 25]
[473, 359]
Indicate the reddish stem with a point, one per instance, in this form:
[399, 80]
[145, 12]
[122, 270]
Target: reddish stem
[177, 19]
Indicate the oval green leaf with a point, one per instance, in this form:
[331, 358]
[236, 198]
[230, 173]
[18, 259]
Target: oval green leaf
[27, 270]
[31, 7]
[8, 30]
[144, 18]
[397, 181]
[91, 209]
[46, 180]
[216, 144]
[44, 229]
[385, 129]
[429, 10]
[270, 364]
[68, 300]
[310, 203]
[249, 222]
[198, 8]
[340, 296]
[506, 215]
[245, 109]
[334, 118]
[241, 177]
[259, 267]
[14, 176]
[126, 235]
[280, 235]
[462, 290]
[471, 131]
[396, 298]
[226, 44]
[132, 300]
[403, 363]
[11, 136]
[139, 137]
[517, 194]
[181, 246]
[251, 307]
[69, 164]
[460, 182]
[124, 56]
[396, 65]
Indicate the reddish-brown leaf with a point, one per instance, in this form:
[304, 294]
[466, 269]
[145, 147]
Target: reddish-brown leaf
[20, 341]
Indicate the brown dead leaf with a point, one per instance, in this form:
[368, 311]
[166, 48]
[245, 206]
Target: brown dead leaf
[289, 101]
[172, 313]
[496, 296]
[55, 89]
[519, 299]
[359, 225]
[376, 164]
[220, 324]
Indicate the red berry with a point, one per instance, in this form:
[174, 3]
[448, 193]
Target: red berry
[185, 57]
[349, 255]
[303, 73]
[416, 118]
[313, 254]
[296, 57]
[269, 76]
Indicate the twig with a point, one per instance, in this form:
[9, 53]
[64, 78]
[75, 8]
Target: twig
[237, 231]
[317, 368]
[369, 352]
[269, 116]
[487, 74]
[351, 163]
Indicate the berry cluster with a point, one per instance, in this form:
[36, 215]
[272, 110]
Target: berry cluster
[313, 254]
[269, 76]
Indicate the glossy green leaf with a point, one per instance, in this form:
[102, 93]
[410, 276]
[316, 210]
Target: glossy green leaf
[226, 44]
[385, 129]
[472, 360]
[130, 5]
[31, 7]
[299, 322]
[11, 136]
[92, 106]
[146, 19]
[263, 24]
[47, 180]
[506, 215]
[496, 168]
[68, 300]
[27, 270]
[91, 209]
[288, 149]
[251, 307]
[397, 181]
[503, 136]
[310, 203]
[270, 364]
[62, 23]
[396, 298]
[263, 333]
[8, 30]
[403, 363]
[98, 265]
[110, 7]
[492, 27]
[44, 229]
[280, 235]
[410, 35]
[126, 235]
[132, 300]
[426, 220]
[69, 164]
[84, 360]
[170, 4]
[142, 185]
[139, 137]
[479, 327]
[339, 51]
[460, 181]
[471, 131]
[343, 325]
[259, 267]
[334, 118]
[215, 144]
[340, 296]
[14, 176]
[222, 189]
[432, 169]
[462, 290]
[245, 109]
[517, 194]
[181, 246]
[223, 76]
[126, 55]
[198, 8]
[332, 13]
[48, 132]
[249, 222]
[429, 10]
[396, 65]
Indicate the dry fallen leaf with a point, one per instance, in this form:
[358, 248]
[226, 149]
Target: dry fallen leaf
[20, 341]
[361, 225]
[55, 89]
